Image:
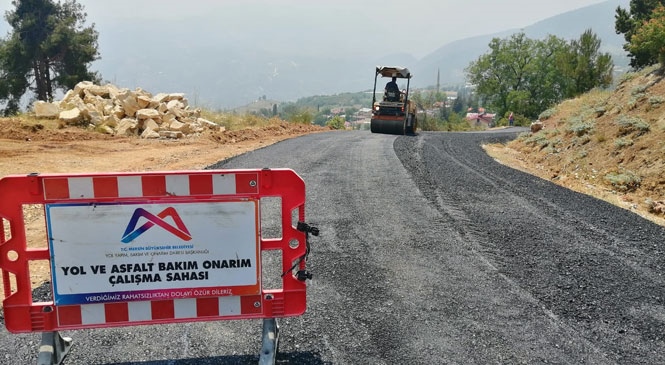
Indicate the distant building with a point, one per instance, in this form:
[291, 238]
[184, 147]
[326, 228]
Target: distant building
[482, 119]
[364, 113]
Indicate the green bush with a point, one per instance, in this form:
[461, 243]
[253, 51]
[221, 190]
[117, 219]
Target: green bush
[638, 91]
[623, 181]
[524, 137]
[580, 141]
[538, 139]
[600, 111]
[336, 122]
[547, 114]
[301, 117]
[627, 77]
[623, 142]
[455, 123]
[655, 100]
[579, 127]
[628, 124]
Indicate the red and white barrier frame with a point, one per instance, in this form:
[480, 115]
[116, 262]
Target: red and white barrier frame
[143, 248]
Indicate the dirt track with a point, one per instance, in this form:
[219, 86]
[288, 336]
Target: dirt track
[431, 252]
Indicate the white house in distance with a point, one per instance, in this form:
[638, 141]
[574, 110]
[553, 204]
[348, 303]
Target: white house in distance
[481, 118]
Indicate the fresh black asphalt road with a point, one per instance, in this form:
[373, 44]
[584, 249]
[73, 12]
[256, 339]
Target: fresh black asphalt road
[430, 252]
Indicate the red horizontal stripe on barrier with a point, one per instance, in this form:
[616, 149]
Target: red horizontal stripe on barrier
[57, 188]
[116, 312]
[207, 307]
[154, 185]
[149, 186]
[162, 309]
[200, 184]
[105, 187]
[69, 315]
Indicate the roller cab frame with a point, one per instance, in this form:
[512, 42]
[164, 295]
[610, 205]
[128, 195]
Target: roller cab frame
[393, 114]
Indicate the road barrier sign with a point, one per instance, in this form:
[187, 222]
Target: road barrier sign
[142, 248]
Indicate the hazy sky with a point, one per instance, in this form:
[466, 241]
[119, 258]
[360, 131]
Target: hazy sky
[412, 26]
[230, 52]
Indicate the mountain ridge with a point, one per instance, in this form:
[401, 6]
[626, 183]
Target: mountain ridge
[569, 25]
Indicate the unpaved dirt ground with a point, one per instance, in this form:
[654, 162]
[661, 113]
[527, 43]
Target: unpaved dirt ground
[28, 146]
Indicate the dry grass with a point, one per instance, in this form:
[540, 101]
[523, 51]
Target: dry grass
[233, 122]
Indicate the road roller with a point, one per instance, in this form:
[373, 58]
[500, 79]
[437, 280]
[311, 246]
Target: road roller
[393, 112]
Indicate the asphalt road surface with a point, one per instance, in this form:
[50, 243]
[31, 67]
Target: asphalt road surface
[431, 253]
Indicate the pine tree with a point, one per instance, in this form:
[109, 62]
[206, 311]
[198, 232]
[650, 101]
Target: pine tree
[49, 48]
[629, 22]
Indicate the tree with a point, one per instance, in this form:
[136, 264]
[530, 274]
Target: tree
[48, 49]
[349, 113]
[528, 76]
[589, 67]
[650, 37]
[629, 22]
[500, 75]
[459, 105]
[544, 86]
[571, 68]
[417, 98]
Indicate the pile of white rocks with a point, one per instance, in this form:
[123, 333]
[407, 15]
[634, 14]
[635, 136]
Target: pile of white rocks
[120, 111]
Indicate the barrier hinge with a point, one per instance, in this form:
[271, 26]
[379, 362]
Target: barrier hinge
[303, 275]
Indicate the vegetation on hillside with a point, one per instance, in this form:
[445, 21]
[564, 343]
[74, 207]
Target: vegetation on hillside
[48, 49]
[325, 108]
[527, 76]
[318, 109]
[614, 140]
[234, 122]
[354, 100]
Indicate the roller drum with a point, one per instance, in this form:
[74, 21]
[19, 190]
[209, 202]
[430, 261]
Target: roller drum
[387, 126]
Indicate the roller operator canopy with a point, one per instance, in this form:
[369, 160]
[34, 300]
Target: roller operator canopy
[393, 71]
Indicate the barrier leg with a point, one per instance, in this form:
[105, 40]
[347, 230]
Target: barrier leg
[53, 348]
[269, 342]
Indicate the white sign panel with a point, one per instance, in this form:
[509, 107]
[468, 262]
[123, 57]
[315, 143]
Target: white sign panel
[123, 252]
